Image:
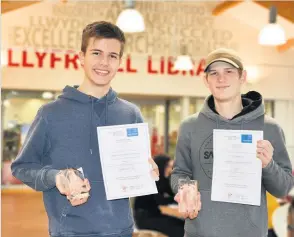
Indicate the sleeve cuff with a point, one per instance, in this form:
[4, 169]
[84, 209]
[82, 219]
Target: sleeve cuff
[50, 177]
[269, 165]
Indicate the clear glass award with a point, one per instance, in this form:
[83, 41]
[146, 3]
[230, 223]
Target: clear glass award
[72, 181]
[188, 190]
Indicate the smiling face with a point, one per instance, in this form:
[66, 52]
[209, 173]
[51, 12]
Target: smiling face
[101, 60]
[224, 81]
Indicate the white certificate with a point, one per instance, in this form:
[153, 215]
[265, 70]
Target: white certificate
[124, 153]
[236, 169]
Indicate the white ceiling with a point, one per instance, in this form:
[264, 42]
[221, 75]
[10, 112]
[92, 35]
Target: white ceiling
[257, 16]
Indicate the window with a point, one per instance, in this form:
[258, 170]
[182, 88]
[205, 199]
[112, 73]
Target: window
[196, 105]
[269, 108]
[18, 111]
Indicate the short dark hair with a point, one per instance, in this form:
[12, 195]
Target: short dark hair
[102, 29]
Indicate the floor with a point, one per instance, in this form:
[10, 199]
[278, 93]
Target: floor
[23, 215]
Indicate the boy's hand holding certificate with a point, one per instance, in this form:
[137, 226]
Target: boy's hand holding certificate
[124, 153]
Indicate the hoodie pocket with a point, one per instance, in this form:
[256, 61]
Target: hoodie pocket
[97, 215]
[258, 215]
[220, 219]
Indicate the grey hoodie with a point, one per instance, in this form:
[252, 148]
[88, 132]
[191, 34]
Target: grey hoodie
[194, 160]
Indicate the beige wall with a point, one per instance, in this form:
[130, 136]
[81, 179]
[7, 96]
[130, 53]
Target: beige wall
[284, 114]
[189, 23]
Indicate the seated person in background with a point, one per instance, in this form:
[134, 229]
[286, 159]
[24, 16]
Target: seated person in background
[146, 208]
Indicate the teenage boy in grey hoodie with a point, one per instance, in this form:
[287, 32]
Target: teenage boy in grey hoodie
[63, 138]
[226, 108]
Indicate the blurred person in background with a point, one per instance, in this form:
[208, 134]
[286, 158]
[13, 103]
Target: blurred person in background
[147, 212]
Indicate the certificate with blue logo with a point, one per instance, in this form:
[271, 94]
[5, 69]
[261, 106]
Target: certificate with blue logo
[237, 171]
[124, 153]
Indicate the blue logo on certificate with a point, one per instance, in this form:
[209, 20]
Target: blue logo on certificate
[132, 132]
[246, 138]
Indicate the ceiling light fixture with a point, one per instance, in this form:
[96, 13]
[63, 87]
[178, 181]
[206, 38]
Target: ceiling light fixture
[183, 61]
[130, 20]
[272, 34]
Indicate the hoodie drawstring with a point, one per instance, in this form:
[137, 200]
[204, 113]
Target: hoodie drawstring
[91, 122]
[106, 110]
[91, 119]
[217, 122]
[242, 124]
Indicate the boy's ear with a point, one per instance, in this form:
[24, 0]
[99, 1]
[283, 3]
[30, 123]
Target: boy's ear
[82, 58]
[243, 77]
[204, 78]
